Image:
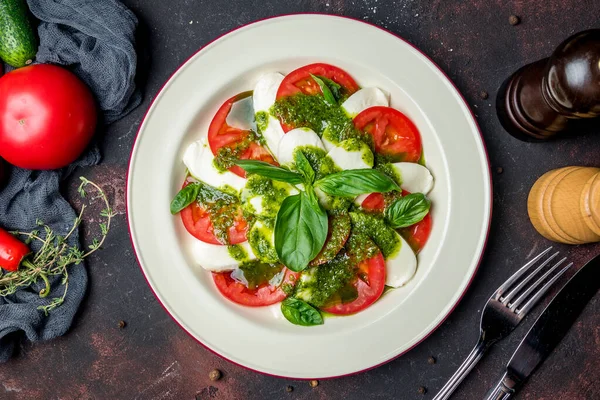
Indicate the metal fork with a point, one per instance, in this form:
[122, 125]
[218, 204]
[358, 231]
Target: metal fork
[506, 308]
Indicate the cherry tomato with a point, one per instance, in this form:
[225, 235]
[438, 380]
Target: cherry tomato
[220, 134]
[47, 117]
[300, 80]
[264, 295]
[374, 271]
[12, 251]
[394, 133]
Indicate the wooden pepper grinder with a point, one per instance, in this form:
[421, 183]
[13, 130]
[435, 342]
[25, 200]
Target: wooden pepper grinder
[539, 100]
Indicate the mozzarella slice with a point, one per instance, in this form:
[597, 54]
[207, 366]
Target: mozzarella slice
[358, 200]
[329, 145]
[241, 115]
[198, 159]
[262, 242]
[402, 266]
[415, 178]
[217, 258]
[265, 93]
[295, 138]
[257, 204]
[352, 154]
[363, 99]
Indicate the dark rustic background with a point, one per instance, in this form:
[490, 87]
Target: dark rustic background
[152, 358]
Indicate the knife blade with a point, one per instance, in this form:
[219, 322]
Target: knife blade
[549, 329]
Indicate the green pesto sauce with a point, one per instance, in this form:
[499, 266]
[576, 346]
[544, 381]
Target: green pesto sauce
[390, 171]
[318, 160]
[273, 193]
[360, 247]
[256, 273]
[352, 144]
[262, 121]
[346, 294]
[259, 240]
[237, 252]
[318, 284]
[328, 120]
[222, 208]
[227, 155]
[288, 288]
[374, 227]
[339, 230]
[357, 145]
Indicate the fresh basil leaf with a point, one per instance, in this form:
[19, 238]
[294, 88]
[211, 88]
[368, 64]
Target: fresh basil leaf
[304, 167]
[312, 197]
[300, 231]
[325, 89]
[407, 210]
[270, 171]
[185, 197]
[301, 313]
[333, 86]
[353, 182]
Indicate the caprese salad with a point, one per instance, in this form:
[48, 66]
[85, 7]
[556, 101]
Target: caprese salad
[308, 191]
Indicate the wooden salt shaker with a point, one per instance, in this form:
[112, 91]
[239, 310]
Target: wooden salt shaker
[540, 99]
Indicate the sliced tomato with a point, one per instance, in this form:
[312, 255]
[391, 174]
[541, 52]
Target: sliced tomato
[300, 80]
[418, 234]
[264, 295]
[374, 202]
[338, 233]
[197, 222]
[369, 287]
[394, 134]
[222, 135]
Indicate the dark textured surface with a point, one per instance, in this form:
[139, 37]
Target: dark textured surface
[152, 358]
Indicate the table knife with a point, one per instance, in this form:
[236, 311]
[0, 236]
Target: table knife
[549, 329]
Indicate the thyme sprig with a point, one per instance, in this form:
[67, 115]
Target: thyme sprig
[55, 254]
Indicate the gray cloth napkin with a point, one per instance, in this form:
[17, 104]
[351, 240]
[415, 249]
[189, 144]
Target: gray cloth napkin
[95, 39]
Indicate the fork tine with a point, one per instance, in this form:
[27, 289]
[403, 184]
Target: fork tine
[508, 297]
[532, 287]
[506, 285]
[535, 298]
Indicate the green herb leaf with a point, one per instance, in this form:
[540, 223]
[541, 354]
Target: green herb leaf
[333, 86]
[184, 198]
[353, 182]
[304, 167]
[301, 313]
[407, 210]
[325, 89]
[270, 171]
[300, 231]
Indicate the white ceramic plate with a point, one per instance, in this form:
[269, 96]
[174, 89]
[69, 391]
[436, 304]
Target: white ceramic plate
[261, 339]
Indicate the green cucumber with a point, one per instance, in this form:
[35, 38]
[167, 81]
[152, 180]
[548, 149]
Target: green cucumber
[18, 42]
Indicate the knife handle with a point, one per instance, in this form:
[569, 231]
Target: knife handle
[503, 390]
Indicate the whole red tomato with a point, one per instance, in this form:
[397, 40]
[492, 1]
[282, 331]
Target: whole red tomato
[47, 117]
